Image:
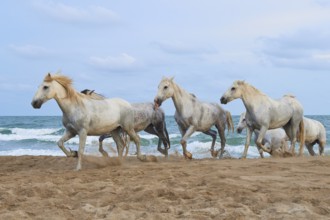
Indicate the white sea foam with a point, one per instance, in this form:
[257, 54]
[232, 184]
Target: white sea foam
[33, 152]
[19, 134]
[24, 134]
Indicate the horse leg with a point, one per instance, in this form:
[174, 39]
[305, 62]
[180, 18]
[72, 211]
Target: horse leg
[136, 139]
[293, 141]
[101, 150]
[310, 148]
[321, 147]
[167, 136]
[67, 136]
[247, 143]
[119, 141]
[221, 131]
[261, 152]
[261, 136]
[183, 142]
[213, 134]
[161, 150]
[152, 130]
[162, 133]
[82, 142]
[126, 140]
[289, 133]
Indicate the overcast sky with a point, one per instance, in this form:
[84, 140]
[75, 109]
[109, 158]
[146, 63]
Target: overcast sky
[124, 48]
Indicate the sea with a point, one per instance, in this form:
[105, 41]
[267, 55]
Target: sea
[38, 135]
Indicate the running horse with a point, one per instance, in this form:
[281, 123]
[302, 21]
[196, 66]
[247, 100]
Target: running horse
[193, 115]
[145, 118]
[86, 116]
[275, 139]
[266, 113]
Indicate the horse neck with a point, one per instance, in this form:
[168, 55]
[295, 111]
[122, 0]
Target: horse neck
[251, 99]
[180, 98]
[66, 104]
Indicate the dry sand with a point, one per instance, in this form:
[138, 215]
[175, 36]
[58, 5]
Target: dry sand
[42, 187]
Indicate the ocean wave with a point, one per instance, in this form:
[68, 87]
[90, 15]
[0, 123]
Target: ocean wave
[5, 131]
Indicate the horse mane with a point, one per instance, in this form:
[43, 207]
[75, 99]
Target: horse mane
[66, 82]
[243, 83]
[92, 94]
[289, 95]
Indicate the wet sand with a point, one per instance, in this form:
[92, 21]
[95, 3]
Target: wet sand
[45, 187]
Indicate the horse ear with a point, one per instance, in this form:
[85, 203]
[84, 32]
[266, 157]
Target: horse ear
[172, 78]
[48, 77]
[240, 82]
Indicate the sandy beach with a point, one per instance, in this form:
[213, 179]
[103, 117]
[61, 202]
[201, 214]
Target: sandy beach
[46, 187]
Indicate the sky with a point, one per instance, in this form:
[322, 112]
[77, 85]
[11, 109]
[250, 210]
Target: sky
[124, 48]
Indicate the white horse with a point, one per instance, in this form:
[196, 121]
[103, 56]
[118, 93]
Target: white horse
[275, 139]
[193, 115]
[266, 113]
[146, 118]
[86, 116]
[314, 134]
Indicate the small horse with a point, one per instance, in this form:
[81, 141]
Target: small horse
[193, 115]
[275, 139]
[85, 116]
[266, 113]
[145, 118]
[314, 133]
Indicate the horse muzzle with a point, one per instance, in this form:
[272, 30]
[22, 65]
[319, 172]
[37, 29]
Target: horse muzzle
[36, 104]
[157, 103]
[223, 100]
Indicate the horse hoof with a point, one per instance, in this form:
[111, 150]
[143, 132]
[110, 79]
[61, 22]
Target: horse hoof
[214, 153]
[74, 153]
[287, 154]
[188, 155]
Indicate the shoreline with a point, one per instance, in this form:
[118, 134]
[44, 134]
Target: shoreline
[48, 187]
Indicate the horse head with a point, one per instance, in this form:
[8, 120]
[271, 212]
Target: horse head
[44, 93]
[233, 92]
[165, 91]
[54, 86]
[241, 123]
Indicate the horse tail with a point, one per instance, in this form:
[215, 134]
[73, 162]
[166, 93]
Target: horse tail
[229, 120]
[301, 136]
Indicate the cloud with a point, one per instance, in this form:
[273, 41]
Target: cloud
[308, 49]
[121, 63]
[30, 51]
[67, 13]
[181, 48]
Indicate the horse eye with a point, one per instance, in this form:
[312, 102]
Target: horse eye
[45, 87]
[244, 119]
[165, 87]
[233, 89]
